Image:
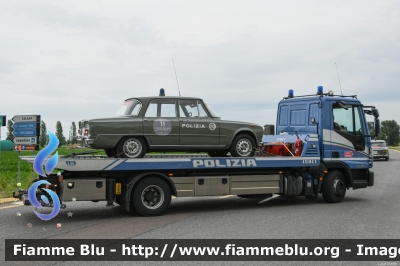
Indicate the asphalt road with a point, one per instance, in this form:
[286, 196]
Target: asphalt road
[371, 213]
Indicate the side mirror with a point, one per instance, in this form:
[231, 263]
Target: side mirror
[377, 126]
[375, 112]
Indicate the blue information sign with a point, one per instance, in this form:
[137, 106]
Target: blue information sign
[24, 133]
[25, 125]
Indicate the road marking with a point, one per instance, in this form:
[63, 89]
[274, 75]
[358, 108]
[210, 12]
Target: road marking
[267, 199]
[226, 196]
[9, 207]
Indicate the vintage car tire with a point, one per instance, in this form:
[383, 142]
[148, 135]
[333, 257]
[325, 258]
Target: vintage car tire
[110, 153]
[152, 196]
[334, 187]
[243, 146]
[217, 153]
[131, 147]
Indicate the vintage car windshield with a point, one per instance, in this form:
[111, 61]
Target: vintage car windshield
[378, 144]
[213, 114]
[130, 107]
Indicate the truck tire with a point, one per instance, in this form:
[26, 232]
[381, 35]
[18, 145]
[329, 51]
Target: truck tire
[334, 187]
[243, 146]
[152, 196]
[131, 147]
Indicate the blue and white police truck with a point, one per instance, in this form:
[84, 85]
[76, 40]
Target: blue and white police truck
[320, 145]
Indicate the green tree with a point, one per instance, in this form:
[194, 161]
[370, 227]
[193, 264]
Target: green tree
[10, 129]
[60, 134]
[72, 133]
[390, 132]
[43, 134]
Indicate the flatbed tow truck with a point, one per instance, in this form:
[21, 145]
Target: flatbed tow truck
[320, 145]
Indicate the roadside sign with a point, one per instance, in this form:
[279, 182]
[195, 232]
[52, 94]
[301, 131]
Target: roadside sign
[3, 121]
[25, 147]
[26, 118]
[24, 125]
[24, 133]
[24, 140]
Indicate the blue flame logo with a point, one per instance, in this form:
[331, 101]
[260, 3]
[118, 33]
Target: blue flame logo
[38, 167]
[42, 155]
[32, 198]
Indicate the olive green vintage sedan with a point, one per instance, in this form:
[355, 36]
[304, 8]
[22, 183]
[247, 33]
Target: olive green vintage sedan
[162, 123]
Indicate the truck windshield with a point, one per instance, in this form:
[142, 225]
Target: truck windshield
[130, 107]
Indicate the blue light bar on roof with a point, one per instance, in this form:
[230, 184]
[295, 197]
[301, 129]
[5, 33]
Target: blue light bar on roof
[320, 90]
[162, 92]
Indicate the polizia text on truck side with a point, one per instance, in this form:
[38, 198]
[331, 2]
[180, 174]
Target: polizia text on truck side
[320, 145]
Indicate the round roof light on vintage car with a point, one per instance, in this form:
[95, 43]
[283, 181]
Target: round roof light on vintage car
[290, 94]
[162, 92]
[330, 92]
[320, 90]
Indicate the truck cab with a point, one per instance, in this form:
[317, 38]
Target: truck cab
[341, 126]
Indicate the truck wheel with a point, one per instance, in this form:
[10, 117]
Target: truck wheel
[334, 187]
[243, 146]
[131, 147]
[217, 153]
[151, 196]
[110, 153]
[387, 158]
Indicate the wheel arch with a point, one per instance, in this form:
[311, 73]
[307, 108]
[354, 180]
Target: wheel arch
[131, 182]
[344, 168]
[244, 132]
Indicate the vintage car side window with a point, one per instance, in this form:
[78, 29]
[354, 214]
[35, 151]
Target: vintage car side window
[168, 109]
[191, 108]
[202, 112]
[161, 108]
[136, 109]
[130, 107]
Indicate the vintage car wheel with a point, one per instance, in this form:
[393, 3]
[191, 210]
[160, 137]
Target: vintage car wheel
[243, 146]
[131, 147]
[110, 153]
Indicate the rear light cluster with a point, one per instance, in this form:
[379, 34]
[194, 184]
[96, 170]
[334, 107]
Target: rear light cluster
[84, 131]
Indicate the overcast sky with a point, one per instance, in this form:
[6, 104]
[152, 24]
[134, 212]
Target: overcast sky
[74, 60]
